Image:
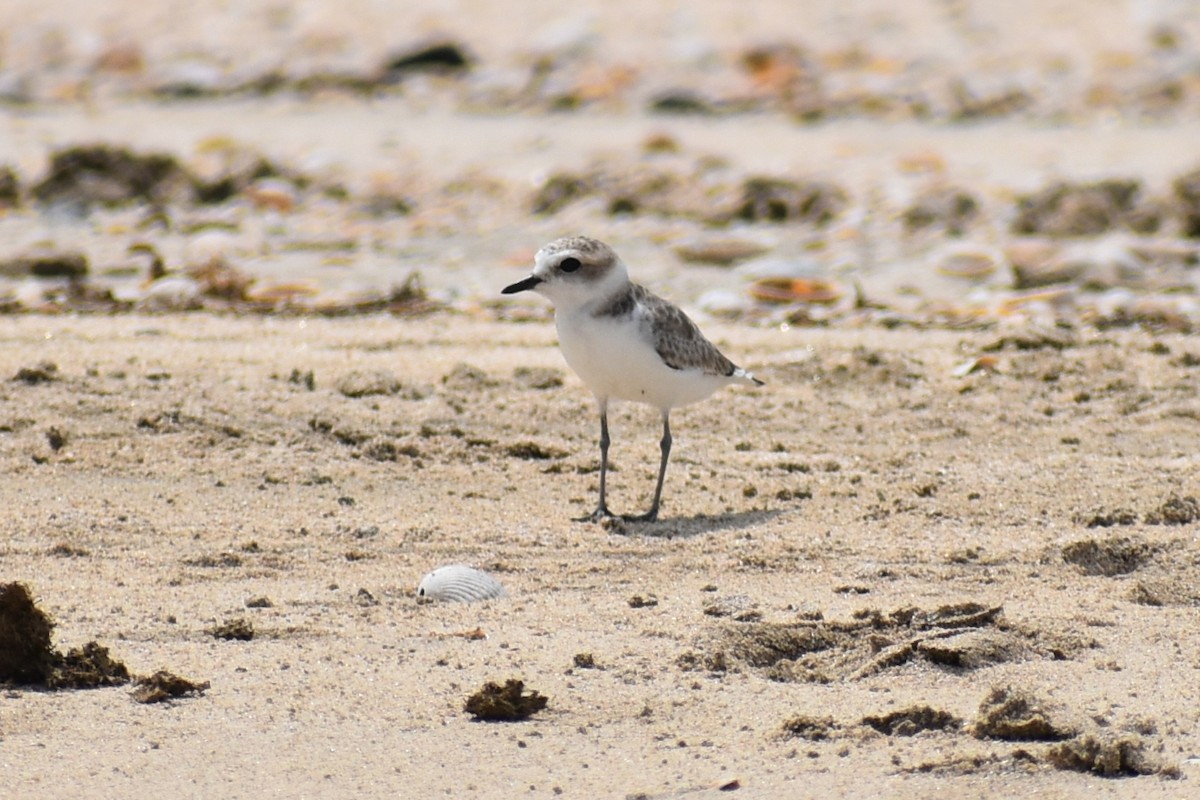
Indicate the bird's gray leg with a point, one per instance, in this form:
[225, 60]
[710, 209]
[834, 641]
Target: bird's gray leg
[665, 445]
[601, 507]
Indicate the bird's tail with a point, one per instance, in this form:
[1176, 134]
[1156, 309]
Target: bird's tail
[742, 376]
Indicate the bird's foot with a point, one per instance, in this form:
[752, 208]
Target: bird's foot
[649, 516]
[599, 515]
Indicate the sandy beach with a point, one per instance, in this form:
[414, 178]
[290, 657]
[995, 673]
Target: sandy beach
[266, 383]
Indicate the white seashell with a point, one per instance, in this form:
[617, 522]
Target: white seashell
[30, 293]
[967, 260]
[459, 583]
[210, 247]
[723, 302]
[172, 293]
[779, 267]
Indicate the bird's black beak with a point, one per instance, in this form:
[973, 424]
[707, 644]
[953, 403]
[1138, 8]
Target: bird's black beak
[522, 286]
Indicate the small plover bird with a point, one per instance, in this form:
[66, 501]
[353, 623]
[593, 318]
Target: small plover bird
[625, 343]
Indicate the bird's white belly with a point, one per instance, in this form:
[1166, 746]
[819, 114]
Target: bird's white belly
[616, 361]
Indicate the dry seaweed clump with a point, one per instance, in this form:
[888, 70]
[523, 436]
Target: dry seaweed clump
[766, 644]
[914, 720]
[10, 188]
[1065, 209]
[781, 200]
[1117, 555]
[106, 175]
[1166, 591]
[27, 656]
[87, 667]
[1175, 510]
[1107, 756]
[42, 372]
[959, 636]
[814, 729]
[236, 628]
[1015, 715]
[507, 703]
[163, 685]
[28, 659]
[951, 208]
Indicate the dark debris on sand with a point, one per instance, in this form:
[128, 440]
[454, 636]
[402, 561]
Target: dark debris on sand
[911, 721]
[163, 686]
[234, 629]
[1109, 756]
[1016, 715]
[26, 655]
[961, 637]
[28, 658]
[87, 667]
[105, 175]
[507, 703]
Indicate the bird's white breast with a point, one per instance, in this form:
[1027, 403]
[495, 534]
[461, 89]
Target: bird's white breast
[616, 360]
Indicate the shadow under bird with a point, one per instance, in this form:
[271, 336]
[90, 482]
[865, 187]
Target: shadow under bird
[625, 343]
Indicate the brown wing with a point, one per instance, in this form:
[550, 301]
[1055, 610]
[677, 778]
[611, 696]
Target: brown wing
[677, 340]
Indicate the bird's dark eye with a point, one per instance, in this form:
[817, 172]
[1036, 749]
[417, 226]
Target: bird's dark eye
[569, 264]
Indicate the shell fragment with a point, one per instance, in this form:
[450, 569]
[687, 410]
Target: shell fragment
[458, 583]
